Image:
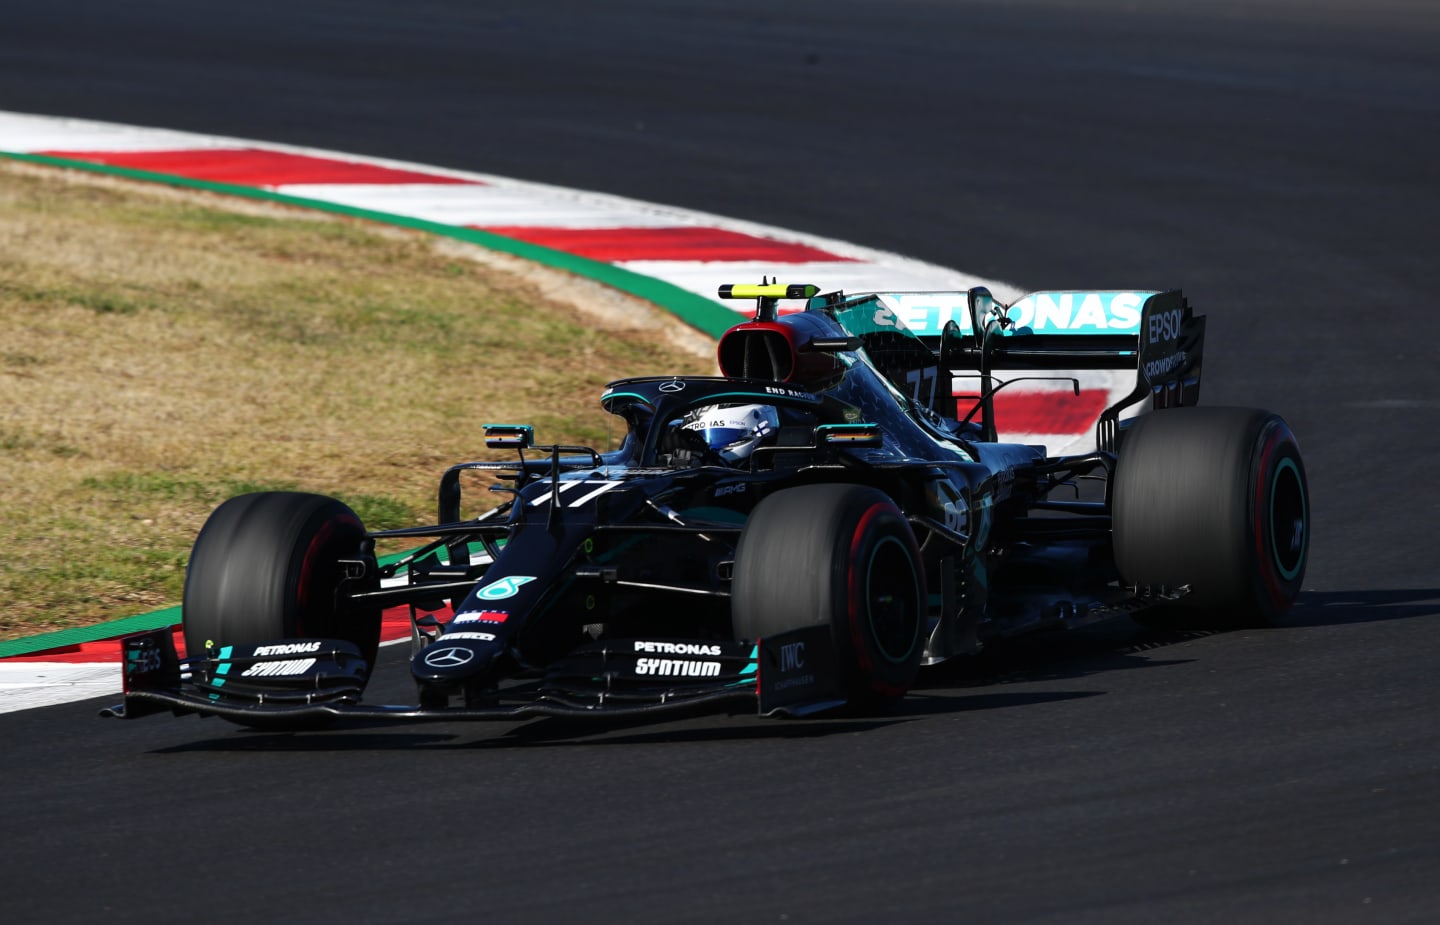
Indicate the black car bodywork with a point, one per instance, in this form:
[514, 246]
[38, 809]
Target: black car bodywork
[880, 527]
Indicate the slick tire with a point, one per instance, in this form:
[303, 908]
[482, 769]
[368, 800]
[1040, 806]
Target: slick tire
[1213, 498]
[841, 555]
[266, 566]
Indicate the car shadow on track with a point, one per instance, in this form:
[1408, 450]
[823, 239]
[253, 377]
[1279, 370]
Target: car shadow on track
[965, 684]
[363, 736]
[358, 736]
[540, 732]
[1061, 655]
[1334, 608]
[314, 740]
[949, 690]
[932, 703]
[1121, 644]
[559, 732]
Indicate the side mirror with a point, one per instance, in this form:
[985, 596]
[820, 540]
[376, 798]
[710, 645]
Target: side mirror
[855, 435]
[509, 436]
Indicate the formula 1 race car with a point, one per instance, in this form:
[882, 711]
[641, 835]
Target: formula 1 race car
[803, 532]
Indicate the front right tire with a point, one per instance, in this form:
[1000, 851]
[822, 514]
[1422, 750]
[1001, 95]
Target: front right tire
[266, 566]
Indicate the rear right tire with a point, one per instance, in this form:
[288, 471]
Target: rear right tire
[1214, 499]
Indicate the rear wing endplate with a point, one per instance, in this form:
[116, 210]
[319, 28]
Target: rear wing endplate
[1171, 344]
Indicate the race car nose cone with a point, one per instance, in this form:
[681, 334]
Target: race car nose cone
[454, 659]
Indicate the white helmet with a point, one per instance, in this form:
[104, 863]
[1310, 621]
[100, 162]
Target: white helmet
[733, 431]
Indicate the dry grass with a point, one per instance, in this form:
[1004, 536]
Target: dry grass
[162, 351]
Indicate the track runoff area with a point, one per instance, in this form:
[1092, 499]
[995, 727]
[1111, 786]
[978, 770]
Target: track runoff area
[673, 257]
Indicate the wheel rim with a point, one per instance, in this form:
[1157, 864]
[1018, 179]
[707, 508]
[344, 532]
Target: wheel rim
[1289, 529]
[892, 600]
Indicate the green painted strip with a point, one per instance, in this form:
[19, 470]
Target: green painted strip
[694, 310]
[74, 636]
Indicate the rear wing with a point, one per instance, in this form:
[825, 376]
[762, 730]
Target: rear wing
[1155, 333]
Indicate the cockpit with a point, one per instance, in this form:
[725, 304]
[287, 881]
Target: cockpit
[730, 433]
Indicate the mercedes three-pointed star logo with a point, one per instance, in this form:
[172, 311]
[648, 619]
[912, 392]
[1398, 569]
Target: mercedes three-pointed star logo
[674, 385]
[448, 657]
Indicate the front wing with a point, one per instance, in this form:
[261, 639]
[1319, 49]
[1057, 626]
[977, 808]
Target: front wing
[788, 674]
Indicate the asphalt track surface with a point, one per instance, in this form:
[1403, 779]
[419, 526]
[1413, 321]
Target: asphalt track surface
[1276, 159]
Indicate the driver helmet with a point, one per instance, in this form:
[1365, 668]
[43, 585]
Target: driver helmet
[733, 431]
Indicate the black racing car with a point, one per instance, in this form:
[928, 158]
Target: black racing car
[805, 531]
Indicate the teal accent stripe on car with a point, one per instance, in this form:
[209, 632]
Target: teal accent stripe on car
[751, 669]
[223, 667]
[611, 396]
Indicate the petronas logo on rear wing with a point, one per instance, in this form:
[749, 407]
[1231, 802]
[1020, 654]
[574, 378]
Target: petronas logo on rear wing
[925, 314]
